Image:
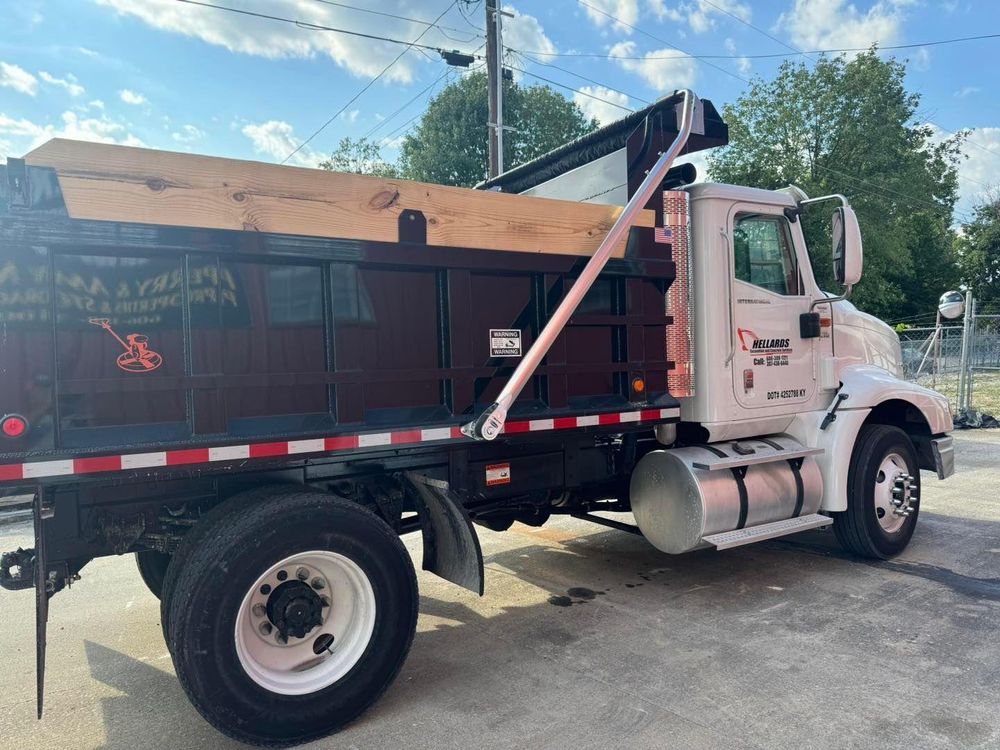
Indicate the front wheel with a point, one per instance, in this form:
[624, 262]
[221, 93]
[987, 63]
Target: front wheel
[883, 490]
[292, 617]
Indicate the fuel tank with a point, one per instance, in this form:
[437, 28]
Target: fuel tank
[676, 504]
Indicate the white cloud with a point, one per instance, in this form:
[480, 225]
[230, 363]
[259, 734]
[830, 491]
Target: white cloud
[254, 36]
[188, 134]
[27, 134]
[979, 170]
[601, 11]
[351, 116]
[96, 104]
[275, 138]
[700, 14]
[69, 83]
[604, 111]
[921, 59]
[663, 69]
[742, 63]
[17, 78]
[967, 91]
[835, 24]
[524, 32]
[132, 97]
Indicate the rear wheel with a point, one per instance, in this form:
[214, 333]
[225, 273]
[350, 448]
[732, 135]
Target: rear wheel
[883, 491]
[153, 569]
[291, 617]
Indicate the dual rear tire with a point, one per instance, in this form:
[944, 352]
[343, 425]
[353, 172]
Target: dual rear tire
[288, 613]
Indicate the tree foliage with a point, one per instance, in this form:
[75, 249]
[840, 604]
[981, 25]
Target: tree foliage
[359, 156]
[450, 145]
[978, 250]
[848, 126]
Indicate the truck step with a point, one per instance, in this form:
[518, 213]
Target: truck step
[738, 538]
[759, 456]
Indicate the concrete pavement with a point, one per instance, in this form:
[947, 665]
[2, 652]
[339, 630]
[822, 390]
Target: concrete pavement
[590, 638]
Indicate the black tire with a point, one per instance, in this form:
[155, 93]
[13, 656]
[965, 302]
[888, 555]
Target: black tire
[858, 529]
[153, 569]
[225, 564]
[192, 540]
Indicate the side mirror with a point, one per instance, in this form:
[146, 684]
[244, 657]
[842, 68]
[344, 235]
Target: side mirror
[848, 254]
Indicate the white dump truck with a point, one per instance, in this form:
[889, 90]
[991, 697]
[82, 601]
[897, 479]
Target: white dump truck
[256, 378]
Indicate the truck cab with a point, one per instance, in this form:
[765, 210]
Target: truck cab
[762, 365]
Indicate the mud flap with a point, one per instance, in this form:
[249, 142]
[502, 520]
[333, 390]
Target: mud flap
[451, 546]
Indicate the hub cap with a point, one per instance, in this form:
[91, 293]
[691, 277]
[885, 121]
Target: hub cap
[895, 493]
[305, 622]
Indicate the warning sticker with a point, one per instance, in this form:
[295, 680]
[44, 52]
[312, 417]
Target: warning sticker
[505, 342]
[497, 474]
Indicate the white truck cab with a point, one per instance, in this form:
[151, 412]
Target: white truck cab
[756, 374]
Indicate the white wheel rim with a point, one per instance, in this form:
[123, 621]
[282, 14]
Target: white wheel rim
[892, 466]
[348, 614]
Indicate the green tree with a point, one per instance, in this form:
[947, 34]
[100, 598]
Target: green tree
[450, 145]
[848, 126]
[978, 250]
[359, 156]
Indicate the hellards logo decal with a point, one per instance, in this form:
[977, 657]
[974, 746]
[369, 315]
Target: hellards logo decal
[750, 342]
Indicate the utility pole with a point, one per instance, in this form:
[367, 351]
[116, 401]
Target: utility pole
[494, 76]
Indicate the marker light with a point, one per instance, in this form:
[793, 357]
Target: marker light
[638, 385]
[13, 426]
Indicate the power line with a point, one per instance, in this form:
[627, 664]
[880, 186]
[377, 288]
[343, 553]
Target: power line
[439, 27]
[606, 56]
[755, 28]
[577, 75]
[881, 190]
[658, 39]
[367, 86]
[383, 123]
[309, 26]
[570, 88]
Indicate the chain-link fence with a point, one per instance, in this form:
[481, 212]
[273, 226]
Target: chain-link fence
[966, 371]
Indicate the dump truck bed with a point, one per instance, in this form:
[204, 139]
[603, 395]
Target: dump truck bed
[178, 307]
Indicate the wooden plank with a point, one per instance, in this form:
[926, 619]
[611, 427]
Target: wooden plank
[118, 183]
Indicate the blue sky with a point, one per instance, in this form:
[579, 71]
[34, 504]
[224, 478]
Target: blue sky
[170, 75]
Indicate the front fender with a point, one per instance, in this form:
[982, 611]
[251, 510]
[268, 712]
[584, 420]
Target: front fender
[867, 387]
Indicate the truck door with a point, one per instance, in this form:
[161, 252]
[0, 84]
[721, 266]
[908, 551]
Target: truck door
[772, 364]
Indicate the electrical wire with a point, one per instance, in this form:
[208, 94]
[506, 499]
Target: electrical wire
[606, 56]
[367, 86]
[570, 88]
[438, 26]
[658, 39]
[308, 26]
[528, 57]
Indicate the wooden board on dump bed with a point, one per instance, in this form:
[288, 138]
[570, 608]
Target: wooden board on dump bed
[119, 183]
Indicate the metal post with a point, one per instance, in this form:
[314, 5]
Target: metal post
[971, 357]
[964, 359]
[490, 423]
[494, 77]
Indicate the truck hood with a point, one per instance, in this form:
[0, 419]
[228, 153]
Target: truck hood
[874, 342]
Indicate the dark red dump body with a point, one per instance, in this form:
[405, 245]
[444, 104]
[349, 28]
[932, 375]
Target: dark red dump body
[123, 338]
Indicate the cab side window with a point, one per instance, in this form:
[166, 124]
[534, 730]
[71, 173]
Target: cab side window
[764, 255]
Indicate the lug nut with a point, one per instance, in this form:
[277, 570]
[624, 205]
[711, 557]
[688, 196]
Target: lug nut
[259, 610]
[318, 583]
[325, 600]
[265, 589]
[302, 574]
[282, 575]
[265, 628]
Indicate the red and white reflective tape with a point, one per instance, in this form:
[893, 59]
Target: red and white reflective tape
[185, 456]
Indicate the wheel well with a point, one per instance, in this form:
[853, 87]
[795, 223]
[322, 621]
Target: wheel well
[908, 418]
